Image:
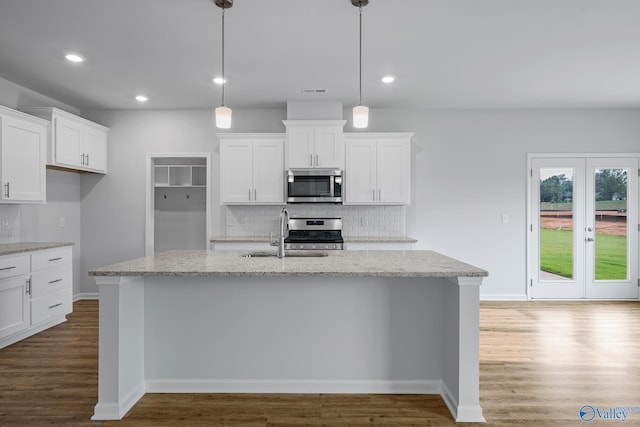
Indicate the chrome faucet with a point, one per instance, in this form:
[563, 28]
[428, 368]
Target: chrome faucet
[280, 242]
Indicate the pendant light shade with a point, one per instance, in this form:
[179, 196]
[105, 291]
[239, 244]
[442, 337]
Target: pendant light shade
[223, 113]
[360, 116]
[360, 113]
[223, 117]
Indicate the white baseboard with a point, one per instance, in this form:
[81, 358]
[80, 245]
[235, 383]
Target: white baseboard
[503, 297]
[461, 413]
[85, 295]
[116, 411]
[293, 386]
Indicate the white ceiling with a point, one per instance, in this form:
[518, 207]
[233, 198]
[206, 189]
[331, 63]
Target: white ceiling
[444, 53]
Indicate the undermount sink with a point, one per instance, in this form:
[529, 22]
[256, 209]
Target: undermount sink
[288, 254]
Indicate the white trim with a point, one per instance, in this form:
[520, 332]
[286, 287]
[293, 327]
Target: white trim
[462, 414]
[503, 297]
[294, 386]
[113, 411]
[85, 296]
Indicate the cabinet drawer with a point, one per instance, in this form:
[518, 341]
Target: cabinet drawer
[53, 280]
[41, 260]
[14, 265]
[51, 305]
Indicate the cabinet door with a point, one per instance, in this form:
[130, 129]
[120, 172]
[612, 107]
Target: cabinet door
[14, 306]
[329, 147]
[95, 149]
[300, 147]
[23, 151]
[268, 171]
[393, 171]
[67, 142]
[360, 172]
[236, 175]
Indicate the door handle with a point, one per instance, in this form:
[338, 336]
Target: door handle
[589, 239]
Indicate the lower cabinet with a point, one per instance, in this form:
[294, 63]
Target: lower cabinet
[36, 292]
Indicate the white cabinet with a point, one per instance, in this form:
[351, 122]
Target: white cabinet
[314, 144]
[23, 157]
[14, 295]
[74, 143]
[36, 292]
[251, 169]
[377, 168]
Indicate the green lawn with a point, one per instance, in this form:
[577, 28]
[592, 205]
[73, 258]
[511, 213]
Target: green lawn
[556, 254]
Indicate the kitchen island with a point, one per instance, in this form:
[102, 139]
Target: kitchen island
[347, 322]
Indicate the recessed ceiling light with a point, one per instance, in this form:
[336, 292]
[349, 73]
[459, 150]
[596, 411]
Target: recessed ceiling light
[218, 80]
[388, 79]
[141, 98]
[74, 57]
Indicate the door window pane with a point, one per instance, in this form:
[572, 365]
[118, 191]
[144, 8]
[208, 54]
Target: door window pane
[556, 224]
[611, 224]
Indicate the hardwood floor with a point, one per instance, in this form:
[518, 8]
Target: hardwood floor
[540, 363]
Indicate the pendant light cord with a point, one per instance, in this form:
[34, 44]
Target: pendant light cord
[223, 80]
[360, 102]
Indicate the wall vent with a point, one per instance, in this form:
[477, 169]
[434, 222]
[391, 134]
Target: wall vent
[314, 90]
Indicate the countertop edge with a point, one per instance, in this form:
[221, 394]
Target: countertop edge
[16, 248]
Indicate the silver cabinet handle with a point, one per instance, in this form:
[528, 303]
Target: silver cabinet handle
[82, 159]
[379, 194]
[55, 305]
[28, 287]
[7, 268]
[55, 259]
[311, 160]
[317, 162]
[255, 195]
[7, 194]
[374, 194]
[249, 194]
[51, 282]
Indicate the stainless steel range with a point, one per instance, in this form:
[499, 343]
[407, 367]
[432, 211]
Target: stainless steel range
[314, 233]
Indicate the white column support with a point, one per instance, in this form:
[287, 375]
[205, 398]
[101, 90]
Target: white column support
[461, 379]
[121, 346]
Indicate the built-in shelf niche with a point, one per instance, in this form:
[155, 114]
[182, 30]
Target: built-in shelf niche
[180, 175]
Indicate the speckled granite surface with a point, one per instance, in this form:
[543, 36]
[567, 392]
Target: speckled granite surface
[336, 263]
[347, 239]
[15, 248]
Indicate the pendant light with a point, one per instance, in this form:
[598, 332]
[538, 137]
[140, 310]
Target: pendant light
[223, 113]
[360, 113]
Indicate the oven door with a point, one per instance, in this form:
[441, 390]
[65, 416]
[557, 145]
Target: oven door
[314, 186]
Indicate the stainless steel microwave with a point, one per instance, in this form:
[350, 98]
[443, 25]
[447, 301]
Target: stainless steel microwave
[314, 186]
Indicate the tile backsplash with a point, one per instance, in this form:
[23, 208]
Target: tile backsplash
[10, 223]
[357, 221]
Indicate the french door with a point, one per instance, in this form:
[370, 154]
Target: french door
[584, 228]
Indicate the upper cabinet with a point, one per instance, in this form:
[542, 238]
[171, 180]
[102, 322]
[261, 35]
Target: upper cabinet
[23, 157]
[314, 144]
[378, 168]
[251, 169]
[74, 143]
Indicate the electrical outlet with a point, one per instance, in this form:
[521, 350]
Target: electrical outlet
[504, 218]
[62, 222]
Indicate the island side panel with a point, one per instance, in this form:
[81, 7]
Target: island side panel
[121, 346]
[461, 380]
[294, 334]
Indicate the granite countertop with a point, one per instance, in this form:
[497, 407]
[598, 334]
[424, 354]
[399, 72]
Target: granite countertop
[347, 239]
[15, 248]
[336, 263]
